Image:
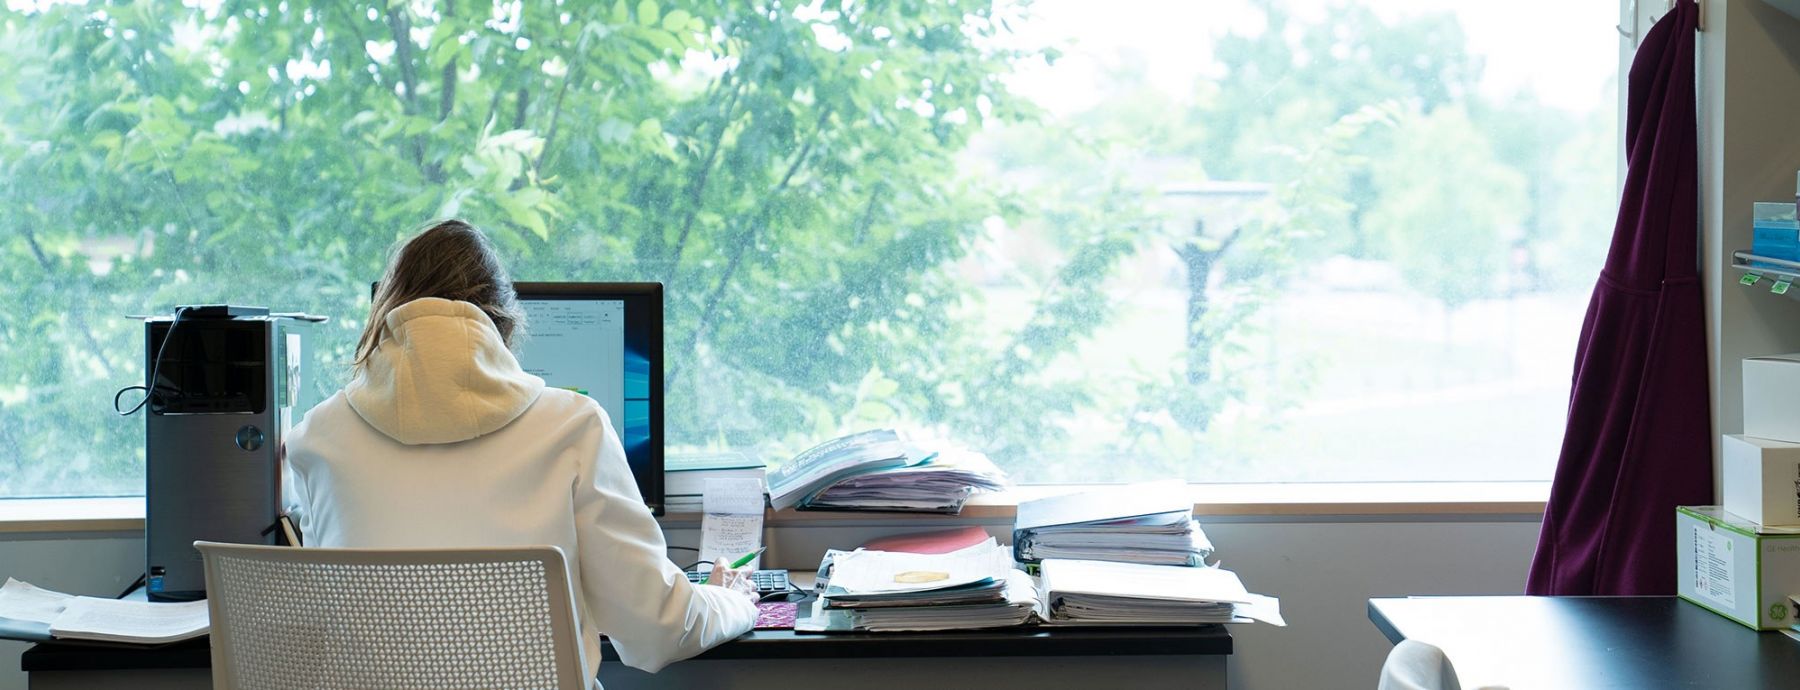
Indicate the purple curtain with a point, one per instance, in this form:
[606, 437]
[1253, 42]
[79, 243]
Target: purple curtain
[1639, 436]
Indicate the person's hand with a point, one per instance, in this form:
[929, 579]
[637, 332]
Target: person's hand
[735, 579]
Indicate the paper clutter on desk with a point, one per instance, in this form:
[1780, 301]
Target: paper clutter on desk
[883, 470]
[68, 617]
[881, 591]
[980, 587]
[1106, 593]
[1149, 523]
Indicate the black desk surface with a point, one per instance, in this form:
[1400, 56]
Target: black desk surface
[760, 644]
[1591, 642]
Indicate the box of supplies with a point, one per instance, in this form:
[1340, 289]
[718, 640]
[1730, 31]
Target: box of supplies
[1774, 232]
[1769, 406]
[1762, 481]
[1736, 568]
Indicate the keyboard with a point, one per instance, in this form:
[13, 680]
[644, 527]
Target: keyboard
[767, 581]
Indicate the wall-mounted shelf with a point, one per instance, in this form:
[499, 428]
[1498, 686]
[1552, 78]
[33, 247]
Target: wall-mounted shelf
[1778, 275]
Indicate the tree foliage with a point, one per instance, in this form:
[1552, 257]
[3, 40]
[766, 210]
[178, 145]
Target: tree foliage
[817, 184]
[1446, 206]
[787, 173]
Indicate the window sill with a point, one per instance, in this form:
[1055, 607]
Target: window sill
[1397, 499]
[1371, 499]
[119, 514]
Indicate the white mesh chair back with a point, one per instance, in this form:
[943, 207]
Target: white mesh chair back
[332, 619]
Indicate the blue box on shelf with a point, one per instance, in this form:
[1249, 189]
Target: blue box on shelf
[1775, 233]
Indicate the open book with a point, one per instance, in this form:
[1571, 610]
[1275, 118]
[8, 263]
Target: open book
[68, 617]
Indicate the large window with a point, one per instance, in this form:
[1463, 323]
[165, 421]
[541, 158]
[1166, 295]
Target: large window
[1242, 240]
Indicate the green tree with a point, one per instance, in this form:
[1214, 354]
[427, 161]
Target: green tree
[1452, 213]
[1298, 75]
[784, 170]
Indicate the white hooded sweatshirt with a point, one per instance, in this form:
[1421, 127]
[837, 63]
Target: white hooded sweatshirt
[443, 441]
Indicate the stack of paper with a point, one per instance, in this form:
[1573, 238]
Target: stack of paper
[1020, 603]
[883, 470]
[942, 483]
[88, 618]
[1102, 593]
[976, 587]
[1149, 523]
[830, 462]
[685, 475]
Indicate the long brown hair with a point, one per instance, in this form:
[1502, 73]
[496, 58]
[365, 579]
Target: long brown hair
[451, 260]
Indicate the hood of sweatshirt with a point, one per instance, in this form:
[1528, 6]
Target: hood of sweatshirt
[440, 375]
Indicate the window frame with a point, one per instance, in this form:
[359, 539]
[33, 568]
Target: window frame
[1476, 498]
[1386, 500]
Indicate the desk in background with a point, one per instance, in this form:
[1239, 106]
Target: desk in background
[1591, 642]
[1037, 658]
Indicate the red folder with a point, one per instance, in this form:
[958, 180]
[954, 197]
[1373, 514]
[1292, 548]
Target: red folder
[942, 541]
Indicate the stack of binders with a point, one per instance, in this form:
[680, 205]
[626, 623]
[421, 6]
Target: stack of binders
[1150, 523]
[1130, 555]
[1100, 593]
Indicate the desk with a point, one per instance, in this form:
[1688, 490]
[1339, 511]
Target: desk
[1591, 642]
[1012, 657]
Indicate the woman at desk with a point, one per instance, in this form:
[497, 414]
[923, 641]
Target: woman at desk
[441, 440]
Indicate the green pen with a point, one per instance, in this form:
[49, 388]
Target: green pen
[735, 564]
[741, 562]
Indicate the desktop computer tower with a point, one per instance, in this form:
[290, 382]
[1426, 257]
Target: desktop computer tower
[228, 385]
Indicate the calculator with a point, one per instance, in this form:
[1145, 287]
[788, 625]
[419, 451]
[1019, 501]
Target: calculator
[767, 581]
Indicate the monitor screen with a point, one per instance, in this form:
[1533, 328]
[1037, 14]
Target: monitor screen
[604, 341]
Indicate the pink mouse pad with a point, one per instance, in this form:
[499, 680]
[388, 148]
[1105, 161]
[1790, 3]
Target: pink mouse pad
[776, 615]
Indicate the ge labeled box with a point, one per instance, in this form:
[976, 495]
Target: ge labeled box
[1769, 406]
[1726, 566]
[1762, 481]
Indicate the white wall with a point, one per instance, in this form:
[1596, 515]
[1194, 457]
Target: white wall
[1324, 571]
[1749, 92]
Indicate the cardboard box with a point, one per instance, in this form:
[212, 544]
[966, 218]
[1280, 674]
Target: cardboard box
[1725, 565]
[1771, 406]
[1762, 481]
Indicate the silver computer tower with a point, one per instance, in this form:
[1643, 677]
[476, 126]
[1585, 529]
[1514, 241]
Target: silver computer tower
[227, 391]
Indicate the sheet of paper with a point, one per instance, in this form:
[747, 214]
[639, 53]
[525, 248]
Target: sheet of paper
[865, 572]
[1261, 608]
[733, 522]
[113, 619]
[21, 601]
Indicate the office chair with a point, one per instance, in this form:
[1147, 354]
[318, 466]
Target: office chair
[287, 617]
[1415, 665]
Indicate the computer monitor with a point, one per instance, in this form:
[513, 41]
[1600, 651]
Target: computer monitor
[604, 340]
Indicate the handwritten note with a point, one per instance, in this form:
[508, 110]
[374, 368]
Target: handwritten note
[733, 523]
